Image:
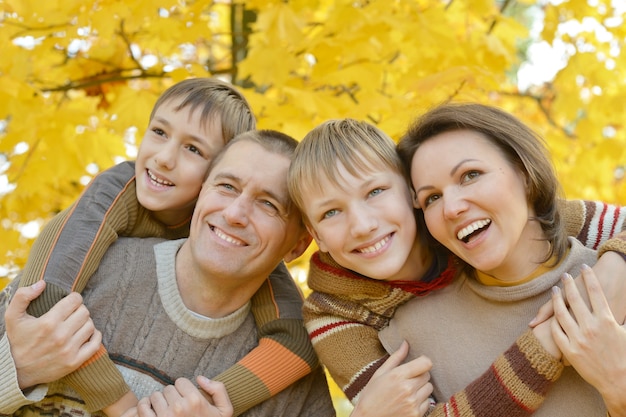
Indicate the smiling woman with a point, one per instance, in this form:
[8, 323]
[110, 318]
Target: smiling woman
[491, 199]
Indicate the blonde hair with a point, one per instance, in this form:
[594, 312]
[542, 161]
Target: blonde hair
[358, 146]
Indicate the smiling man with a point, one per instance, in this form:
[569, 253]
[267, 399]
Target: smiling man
[182, 308]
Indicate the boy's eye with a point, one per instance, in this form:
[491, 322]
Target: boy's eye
[158, 131]
[330, 213]
[375, 192]
[194, 150]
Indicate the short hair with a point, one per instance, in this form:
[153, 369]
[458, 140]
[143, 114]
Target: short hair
[519, 144]
[357, 145]
[271, 140]
[215, 98]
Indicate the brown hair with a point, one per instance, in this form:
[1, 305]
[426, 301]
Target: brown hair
[522, 147]
[216, 98]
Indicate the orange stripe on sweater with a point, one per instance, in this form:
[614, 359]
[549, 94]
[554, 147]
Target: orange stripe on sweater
[100, 353]
[274, 364]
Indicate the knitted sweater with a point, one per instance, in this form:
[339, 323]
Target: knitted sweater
[69, 249]
[154, 338]
[464, 327]
[347, 309]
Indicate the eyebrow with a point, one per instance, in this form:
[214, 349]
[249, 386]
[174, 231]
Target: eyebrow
[168, 124]
[331, 201]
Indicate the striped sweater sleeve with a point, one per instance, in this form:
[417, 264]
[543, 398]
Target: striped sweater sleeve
[515, 385]
[593, 222]
[284, 354]
[69, 250]
[347, 310]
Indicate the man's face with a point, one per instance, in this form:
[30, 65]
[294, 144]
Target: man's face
[243, 224]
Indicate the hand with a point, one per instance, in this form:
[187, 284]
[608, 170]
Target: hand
[397, 389]
[49, 347]
[184, 399]
[610, 271]
[592, 340]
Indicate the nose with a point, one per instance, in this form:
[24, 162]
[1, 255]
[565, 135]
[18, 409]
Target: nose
[166, 157]
[454, 204]
[237, 212]
[362, 221]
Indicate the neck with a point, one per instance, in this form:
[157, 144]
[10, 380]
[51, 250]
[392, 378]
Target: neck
[417, 264]
[206, 293]
[531, 252]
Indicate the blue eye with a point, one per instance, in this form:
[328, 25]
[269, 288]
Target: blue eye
[375, 192]
[330, 213]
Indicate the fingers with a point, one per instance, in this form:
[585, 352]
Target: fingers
[218, 394]
[22, 298]
[144, 408]
[394, 359]
[596, 296]
[545, 312]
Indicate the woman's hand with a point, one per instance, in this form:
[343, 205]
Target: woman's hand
[591, 339]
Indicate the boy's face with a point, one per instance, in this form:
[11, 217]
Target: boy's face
[366, 224]
[243, 225]
[173, 159]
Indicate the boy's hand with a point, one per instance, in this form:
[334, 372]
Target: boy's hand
[49, 347]
[184, 399]
[397, 389]
[121, 406]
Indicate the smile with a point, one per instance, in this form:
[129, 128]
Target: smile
[158, 181]
[376, 246]
[219, 233]
[465, 233]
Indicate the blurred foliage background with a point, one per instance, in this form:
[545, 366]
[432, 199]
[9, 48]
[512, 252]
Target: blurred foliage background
[78, 79]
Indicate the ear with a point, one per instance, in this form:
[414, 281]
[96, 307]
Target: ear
[320, 243]
[298, 249]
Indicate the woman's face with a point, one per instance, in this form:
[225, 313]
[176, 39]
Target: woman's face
[475, 203]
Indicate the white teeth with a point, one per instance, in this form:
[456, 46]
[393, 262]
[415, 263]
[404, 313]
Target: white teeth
[375, 246]
[158, 181]
[227, 238]
[468, 230]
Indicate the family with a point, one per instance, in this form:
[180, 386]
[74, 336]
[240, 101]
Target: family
[442, 285]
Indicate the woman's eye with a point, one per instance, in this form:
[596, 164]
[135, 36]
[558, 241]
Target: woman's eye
[470, 175]
[430, 199]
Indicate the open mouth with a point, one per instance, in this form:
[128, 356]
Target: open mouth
[376, 246]
[158, 181]
[219, 233]
[472, 230]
